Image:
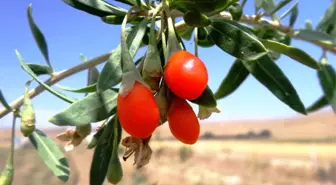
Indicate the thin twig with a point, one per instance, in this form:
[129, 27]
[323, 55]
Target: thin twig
[56, 77]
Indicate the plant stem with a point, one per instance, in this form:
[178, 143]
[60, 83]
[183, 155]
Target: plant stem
[56, 77]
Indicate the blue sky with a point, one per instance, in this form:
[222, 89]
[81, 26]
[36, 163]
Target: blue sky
[70, 32]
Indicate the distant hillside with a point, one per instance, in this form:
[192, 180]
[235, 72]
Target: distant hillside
[314, 126]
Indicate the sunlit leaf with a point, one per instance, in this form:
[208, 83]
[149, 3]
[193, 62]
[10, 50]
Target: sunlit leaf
[35, 77]
[311, 35]
[93, 108]
[235, 77]
[318, 104]
[88, 89]
[96, 7]
[38, 35]
[292, 52]
[271, 76]
[235, 41]
[51, 154]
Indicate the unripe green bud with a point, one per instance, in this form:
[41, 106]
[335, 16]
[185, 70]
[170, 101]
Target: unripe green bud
[196, 19]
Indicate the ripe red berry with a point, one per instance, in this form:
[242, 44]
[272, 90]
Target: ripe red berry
[186, 75]
[183, 122]
[138, 111]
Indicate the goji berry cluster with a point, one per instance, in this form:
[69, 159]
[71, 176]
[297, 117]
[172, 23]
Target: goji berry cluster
[186, 77]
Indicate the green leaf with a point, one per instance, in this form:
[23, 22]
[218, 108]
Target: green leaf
[129, 2]
[235, 77]
[271, 76]
[40, 69]
[47, 87]
[235, 41]
[289, 11]
[292, 52]
[102, 155]
[87, 89]
[4, 102]
[319, 104]
[112, 73]
[268, 6]
[38, 35]
[328, 18]
[51, 154]
[96, 7]
[258, 5]
[93, 108]
[327, 78]
[207, 99]
[277, 7]
[312, 35]
[186, 33]
[294, 15]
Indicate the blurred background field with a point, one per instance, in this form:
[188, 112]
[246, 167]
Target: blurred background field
[291, 151]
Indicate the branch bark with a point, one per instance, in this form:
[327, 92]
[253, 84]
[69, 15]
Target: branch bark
[56, 77]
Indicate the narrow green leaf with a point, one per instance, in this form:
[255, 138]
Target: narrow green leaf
[294, 15]
[96, 7]
[327, 78]
[319, 104]
[312, 35]
[38, 35]
[207, 99]
[235, 77]
[4, 102]
[93, 108]
[51, 154]
[258, 5]
[328, 18]
[47, 87]
[234, 40]
[115, 172]
[289, 11]
[292, 52]
[40, 69]
[243, 3]
[112, 73]
[88, 89]
[277, 7]
[102, 155]
[271, 76]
